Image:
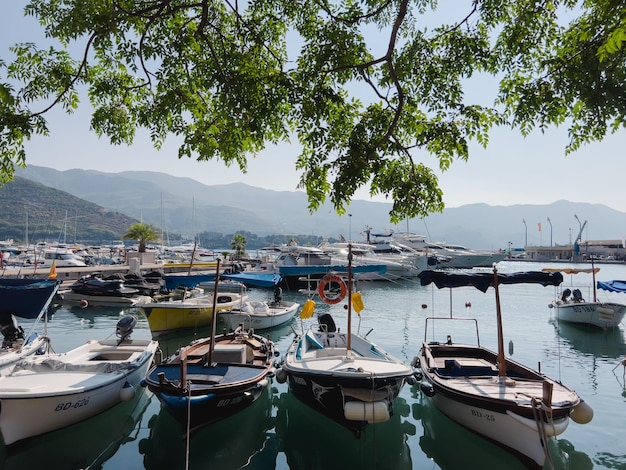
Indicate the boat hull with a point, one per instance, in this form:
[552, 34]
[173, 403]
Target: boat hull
[173, 315]
[47, 393]
[214, 405]
[353, 388]
[463, 383]
[330, 396]
[269, 317]
[78, 298]
[599, 314]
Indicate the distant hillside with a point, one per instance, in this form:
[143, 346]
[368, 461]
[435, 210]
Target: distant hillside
[183, 205]
[48, 214]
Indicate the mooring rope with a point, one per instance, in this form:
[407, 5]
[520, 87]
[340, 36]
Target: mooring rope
[537, 407]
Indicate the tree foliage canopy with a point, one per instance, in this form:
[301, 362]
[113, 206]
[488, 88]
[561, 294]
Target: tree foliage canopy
[375, 92]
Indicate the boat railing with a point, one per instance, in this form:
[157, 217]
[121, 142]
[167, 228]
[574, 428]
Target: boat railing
[448, 338]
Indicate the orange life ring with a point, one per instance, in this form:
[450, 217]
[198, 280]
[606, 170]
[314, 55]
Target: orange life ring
[332, 279]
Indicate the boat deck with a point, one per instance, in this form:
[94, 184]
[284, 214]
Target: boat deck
[478, 376]
[246, 351]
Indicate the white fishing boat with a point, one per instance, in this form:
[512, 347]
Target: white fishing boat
[502, 400]
[260, 315]
[343, 375]
[61, 258]
[48, 392]
[571, 307]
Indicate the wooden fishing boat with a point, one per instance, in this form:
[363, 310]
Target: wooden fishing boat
[213, 377]
[502, 400]
[261, 315]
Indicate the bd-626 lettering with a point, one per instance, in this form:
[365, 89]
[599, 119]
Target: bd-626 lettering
[72, 404]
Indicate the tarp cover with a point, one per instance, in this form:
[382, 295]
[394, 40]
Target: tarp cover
[174, 281]
[26, 298]
[613, 286]
[482, 281]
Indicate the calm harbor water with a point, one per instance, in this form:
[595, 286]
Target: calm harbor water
[277, 432]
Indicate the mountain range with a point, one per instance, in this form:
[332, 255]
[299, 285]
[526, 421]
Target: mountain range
[186, 206]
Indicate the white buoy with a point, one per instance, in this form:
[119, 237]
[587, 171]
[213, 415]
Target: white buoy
[375, 412]
[84, 303]
[127, 393]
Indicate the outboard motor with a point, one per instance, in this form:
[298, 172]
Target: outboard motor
[10, 330]
[125, 327]
[566, 293]
[278, 295]
[327, 323]
[578, 296]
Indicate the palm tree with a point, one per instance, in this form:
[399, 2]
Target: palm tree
[143, 233]
[238, 243]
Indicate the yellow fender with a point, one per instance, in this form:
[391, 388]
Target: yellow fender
[307, 309]
[357, 302]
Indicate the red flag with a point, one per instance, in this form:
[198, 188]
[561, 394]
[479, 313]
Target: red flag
[539, 226]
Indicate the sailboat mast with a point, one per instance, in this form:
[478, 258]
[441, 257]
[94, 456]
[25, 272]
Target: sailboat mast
[349, 343]
[26, 232]
[501, 359]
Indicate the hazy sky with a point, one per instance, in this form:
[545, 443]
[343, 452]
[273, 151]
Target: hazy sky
[512, 170]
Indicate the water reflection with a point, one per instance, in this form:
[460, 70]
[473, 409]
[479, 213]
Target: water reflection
[238, 441]
[91, 314]
[88, 444]
[593, 341]
[312, 441]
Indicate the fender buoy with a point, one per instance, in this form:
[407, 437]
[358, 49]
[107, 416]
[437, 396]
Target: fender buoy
[127, 393]
[357, 302]
[334, 298]
[84, 303]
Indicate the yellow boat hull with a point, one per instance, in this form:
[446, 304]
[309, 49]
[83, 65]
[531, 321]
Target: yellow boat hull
[169, 316]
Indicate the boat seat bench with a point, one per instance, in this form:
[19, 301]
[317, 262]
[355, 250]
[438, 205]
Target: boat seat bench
[465, 367]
